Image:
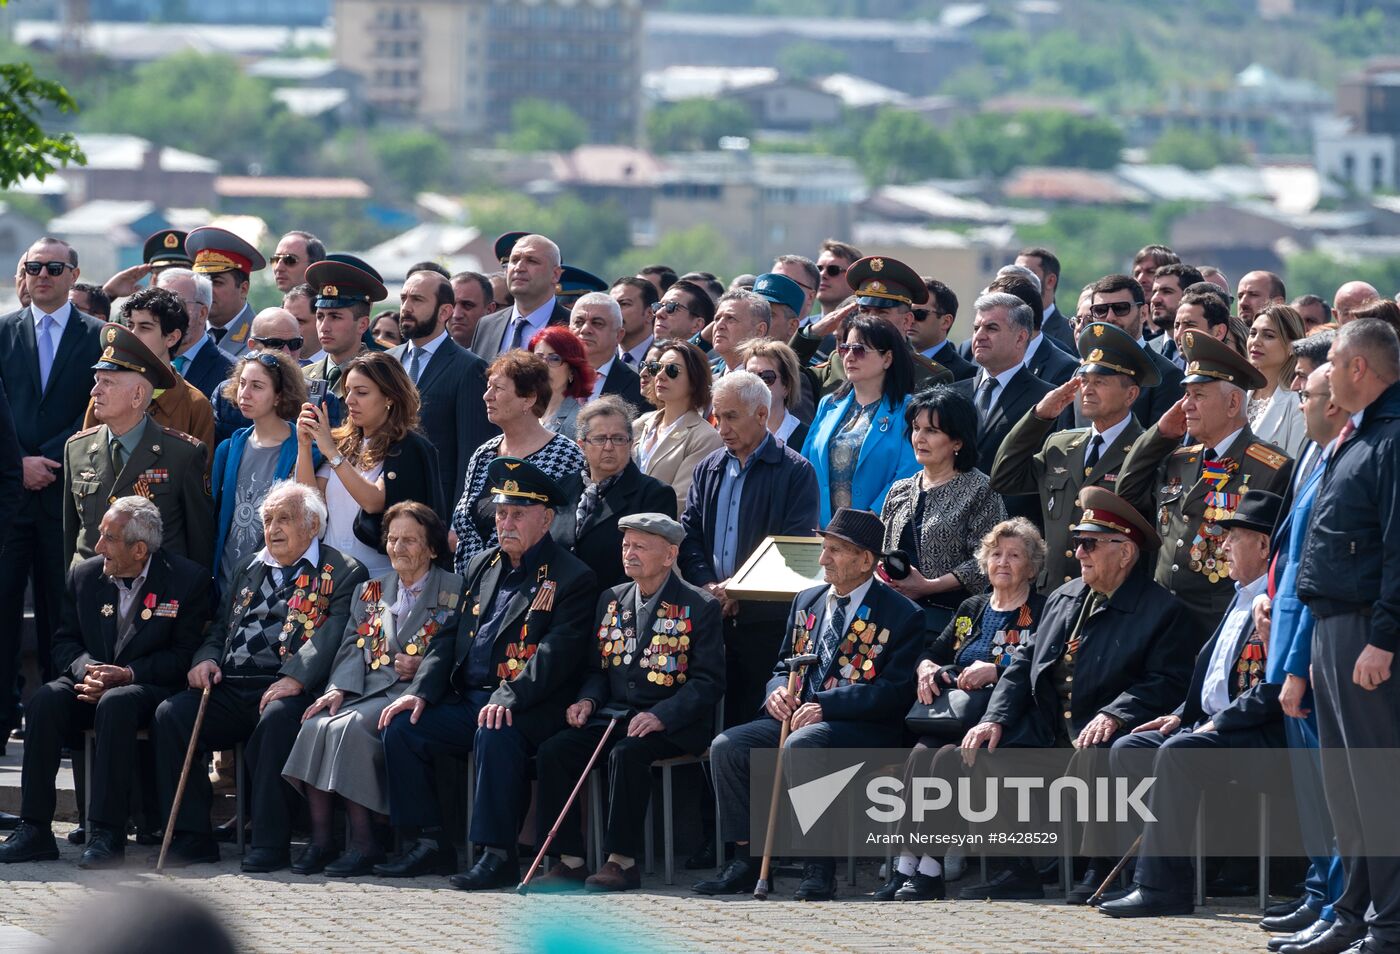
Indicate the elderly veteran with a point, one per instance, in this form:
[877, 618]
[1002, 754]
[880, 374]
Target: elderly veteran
[1112, 650]
[659, 671]
[267, 657]
[497, 685]
[393, 621]
[133, 616]
[866, 638]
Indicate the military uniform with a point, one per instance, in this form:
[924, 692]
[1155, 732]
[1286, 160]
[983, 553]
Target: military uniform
[181, 407]
[341, 281]
[214, 251]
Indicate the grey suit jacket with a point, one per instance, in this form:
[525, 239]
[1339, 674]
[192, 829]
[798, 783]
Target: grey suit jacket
[491, 337]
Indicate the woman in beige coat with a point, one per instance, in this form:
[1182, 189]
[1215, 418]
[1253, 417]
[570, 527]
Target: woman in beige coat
[674, 438]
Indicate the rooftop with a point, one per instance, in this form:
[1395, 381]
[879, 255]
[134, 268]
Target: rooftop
[290, 187]
[828, 29]
[120, 152]
[607, 166]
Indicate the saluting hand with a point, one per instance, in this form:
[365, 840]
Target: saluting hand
[1173, 423]
[830, 323]
[1053, 404]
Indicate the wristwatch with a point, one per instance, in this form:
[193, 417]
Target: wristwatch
[336, 461]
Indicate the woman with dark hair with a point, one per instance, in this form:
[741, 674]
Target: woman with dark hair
[517, 392]
[855, 443]
[671, 440]
[570, 377]
[935, 518]
[374, 460]
[393, 621]
[268, 389]
[1274, 413]
[777, 365]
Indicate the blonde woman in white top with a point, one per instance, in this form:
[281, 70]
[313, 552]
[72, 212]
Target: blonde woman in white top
[1274, 412]
[671, 440]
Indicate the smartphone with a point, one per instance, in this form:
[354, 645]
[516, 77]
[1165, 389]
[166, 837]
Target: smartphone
[316, 390]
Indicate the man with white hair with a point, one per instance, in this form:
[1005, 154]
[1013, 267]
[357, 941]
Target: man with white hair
[1351, 296]
[597, 321]
[198, 359]
[532, 273]
[132, 617]
[266, 659]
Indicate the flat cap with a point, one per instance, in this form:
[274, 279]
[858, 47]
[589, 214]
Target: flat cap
[654, 523]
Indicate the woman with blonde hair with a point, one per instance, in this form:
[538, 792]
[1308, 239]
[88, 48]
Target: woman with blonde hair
[1274, 412]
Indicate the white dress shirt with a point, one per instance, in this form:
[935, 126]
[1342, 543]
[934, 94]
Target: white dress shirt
[1236, 627]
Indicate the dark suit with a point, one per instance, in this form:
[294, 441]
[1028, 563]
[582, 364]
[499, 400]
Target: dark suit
[1055, 326]
[1153, 402]
[492, 335]
[158, 651]
[44, 419]
[623, 381]
[453, 417]
[598, 543]
[1020, 394]
[209, 369]
[948, 356]
[1051, 364]
[1165, 345]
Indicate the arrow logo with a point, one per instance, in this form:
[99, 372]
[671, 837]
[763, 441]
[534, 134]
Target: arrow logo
[810, 800]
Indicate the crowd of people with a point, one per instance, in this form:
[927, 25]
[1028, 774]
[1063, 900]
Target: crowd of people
[508, 517]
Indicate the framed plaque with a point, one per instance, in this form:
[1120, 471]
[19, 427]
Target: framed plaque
[778, 570]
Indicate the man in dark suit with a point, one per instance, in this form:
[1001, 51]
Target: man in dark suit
[867, 638]
[1118, 300]
[498, 686]
[1046, 266]
[1044, 357]
[928, 336]
[1169, 284]
[133, 618]
[614, 487]
[597, 321]
[47, 350]
[659, 670]
[451, 381]
[198, 359]
[531, 275]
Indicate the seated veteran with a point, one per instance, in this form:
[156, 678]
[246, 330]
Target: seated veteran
[497, 685]
[1229, 705]
[613, 487]
[266, 659]
[854, 621]
[1135, 639]
[970, 654]
[132, 617]
[659, 671]
[393, 621]
[128, 453]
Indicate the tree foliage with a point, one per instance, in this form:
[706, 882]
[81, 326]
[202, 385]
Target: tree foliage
[699, 248]
[537, 125]
[994, 144]
[691, 125]
[1317, 273]
[589, 235]
[901, 146]
[1196, 150]
[27, 149]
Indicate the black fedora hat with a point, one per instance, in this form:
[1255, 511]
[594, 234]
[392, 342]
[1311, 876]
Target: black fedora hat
[860, 528]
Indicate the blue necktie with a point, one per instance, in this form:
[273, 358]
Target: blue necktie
[45, 350]
[831, 637]
[414, 362]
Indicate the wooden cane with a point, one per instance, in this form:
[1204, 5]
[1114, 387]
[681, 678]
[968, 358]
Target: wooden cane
[524, 885]
[760, 890]
[1114, 873]
[184, 777]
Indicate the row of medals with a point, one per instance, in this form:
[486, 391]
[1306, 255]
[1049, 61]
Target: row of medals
[864, 637]
[1205, 550]
[665, 659]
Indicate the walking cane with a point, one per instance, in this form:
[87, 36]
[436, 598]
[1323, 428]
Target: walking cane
[795, 666]
[1114, 873]
[524, 885]
[184, 777]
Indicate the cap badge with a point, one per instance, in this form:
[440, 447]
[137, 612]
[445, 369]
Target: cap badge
[171, 241]
[877, 264]
[111, 335]
[1098, 330]
[511, 466]
[330, 291]
[1189, 339]
[875, 286]
[109, 354]
[511, 487]
[1096, 355]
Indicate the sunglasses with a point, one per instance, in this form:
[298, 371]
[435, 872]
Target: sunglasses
[267, 360]
[769, 378]
[603, 440]
[654, 368]
[857, 350]
[1090, 543]
[53, 268]
[277, 344]
[668, 306]
[553, 360]
[831, 270]
[1119, 308]
[284, 259]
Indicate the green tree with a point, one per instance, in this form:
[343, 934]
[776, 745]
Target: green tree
[1057, 138]
[589, 236]
[1319, 274]
[537, 125]
[1195, 150]
[693, 125]
[414, 159]
[699, 248]
[900, 146]
[28, 150]
[805, 59]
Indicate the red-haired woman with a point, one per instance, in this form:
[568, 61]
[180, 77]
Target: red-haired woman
[570, 377]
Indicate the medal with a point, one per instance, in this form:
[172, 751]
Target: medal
[411, 649]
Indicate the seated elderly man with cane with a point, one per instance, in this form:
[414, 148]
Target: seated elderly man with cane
[266, 659]
[132, 619]
[856, 641]
[651, 695]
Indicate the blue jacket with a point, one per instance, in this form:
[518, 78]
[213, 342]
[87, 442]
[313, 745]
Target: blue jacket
[885, 456]
[1291, 626]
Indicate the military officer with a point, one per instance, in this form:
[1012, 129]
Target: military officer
[130, 454]
[163, 249]
[346, 287]
[229, 262]
[1032, 459]
[659, 671]
[498, 686]
[1189, 489]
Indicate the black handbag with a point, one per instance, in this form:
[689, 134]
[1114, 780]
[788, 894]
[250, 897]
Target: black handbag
[951, 714]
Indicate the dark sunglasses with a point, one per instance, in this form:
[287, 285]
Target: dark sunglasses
[769, 378]
[654, 368]
[277, 344]
[268, 361]
[1119, 308]
[284, 259]
[831, 270]
[1090, 543]
[858, 350]
[668, 306]
[53, 268]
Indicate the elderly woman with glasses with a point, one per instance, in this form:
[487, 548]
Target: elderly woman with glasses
[674, 438]
[570, 377]
[776, 364]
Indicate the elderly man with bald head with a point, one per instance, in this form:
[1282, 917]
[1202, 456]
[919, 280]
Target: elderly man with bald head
[531, 276]
[1351, 296]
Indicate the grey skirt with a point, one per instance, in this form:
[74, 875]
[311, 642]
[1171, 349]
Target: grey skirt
[343, 753]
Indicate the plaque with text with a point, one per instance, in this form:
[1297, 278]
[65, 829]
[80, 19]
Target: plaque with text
[778, 570]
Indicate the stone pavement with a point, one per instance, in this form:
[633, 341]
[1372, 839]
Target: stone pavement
[285, 913]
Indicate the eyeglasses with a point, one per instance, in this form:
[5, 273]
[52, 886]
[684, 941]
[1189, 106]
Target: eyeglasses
[603, 440]
[831, 270]
[654, 368]
[769, 378]
[1089, 543]
[553, 360]
[284, 259]
[857, 351]
[267, 360]
[1119, 308]
[53, 268]
[669, 307]
[277, 344]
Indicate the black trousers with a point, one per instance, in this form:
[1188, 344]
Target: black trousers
[33, 549]
[232, 717]
[751, 643]
[56, 718]
[561, 761]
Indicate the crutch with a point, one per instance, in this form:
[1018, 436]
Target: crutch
[1114, 873]
[184, 777]
[795, 667]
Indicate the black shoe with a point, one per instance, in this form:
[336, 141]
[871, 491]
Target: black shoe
[1148, 903]
[353, 864]
[1284, 907]
[1292, 922]
[704, 856]
[1334, 940]
[1309, 933]
[1085, 887]
[737, 877]
[8, 822]
[1228, 887]
[145, 837]
[896, 881]
[28, 843]
[1020, 883]
[105, 849]
[1113, 895]
[419, 858]
[264, 860]
[186, 850]
[78, 836]
[490, 871]
[227, 833]
[922, 887]
[818, 882]
[313, 859]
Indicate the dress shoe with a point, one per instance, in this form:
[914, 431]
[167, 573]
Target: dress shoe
[227, 833]
[1334, 940]
[105, 849]
[1084, 888]
[1292, 922]
[1113, 895]
[1019, 883]
[887, 890]
[78, 836]
[704, 856]
[186, 850]
[613, 877]
[28, 843]
[313, 859]
[737, 877]
[560, 879]
[922, 887]
[420, 858]
[8, 822]
[1311, 932]
[265, 860]
[818, 881]
[1284, 907]
[490, 871]
[353, 864]
[1148, 903]
[145, 836]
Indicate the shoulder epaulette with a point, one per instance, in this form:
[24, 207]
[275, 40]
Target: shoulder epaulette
[91, 430]
[172, 432]
[1267, 455]
[1192, 449]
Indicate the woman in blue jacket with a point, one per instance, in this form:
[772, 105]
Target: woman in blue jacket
[856, 442]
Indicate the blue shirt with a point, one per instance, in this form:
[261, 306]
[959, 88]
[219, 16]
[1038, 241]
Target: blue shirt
[726, 557]
[479, 669]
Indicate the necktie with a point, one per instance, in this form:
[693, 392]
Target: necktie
[181, 363]
[518, 336]
[217, 333]
[627, 358]
[831, 637]
[1095, 450]
[118, 455]
[415, 362]
[45, 350]
[985, 391]
[332, 376]
[1348, 429]
[1210, 454]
